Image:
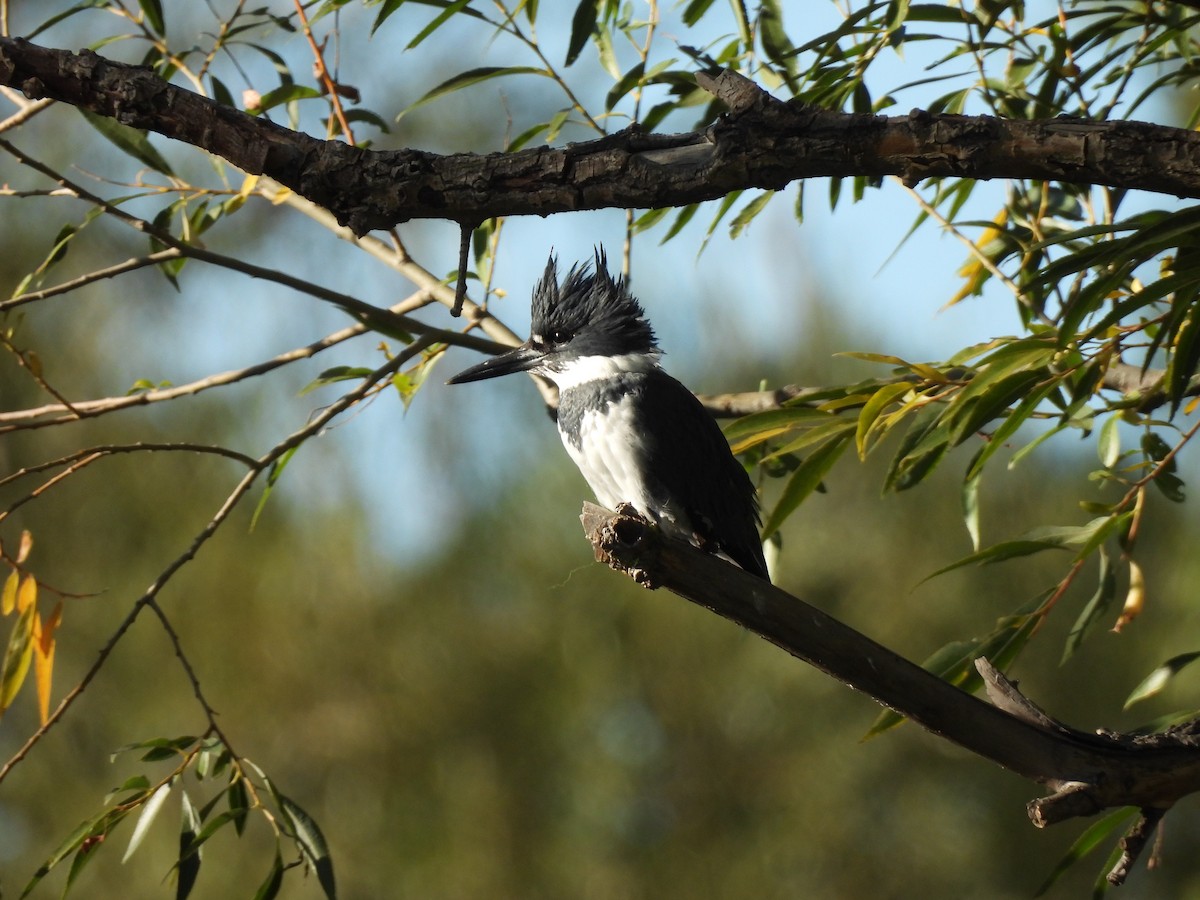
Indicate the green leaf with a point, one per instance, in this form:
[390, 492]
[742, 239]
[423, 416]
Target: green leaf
[239, 803]
[55, 19]
[804, 481]
[468, 78]
[150, 810]
[1160, 677]
[695, 11]
[872, 409]
[153, 13]
[17, 656]
[189, 855]
[1096, 608]
[437, 23]
[269, 889]
[273, 476]
[312, 844]
[1095, 835]
[159, 748]
[748, 212]
[1185, 359]
[1108, 444]
[954, 663]
[583, 23]
[132, 141]
[970, 506]
[285, 93]
[333, 375]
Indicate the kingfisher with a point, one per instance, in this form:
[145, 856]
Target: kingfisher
[637, 435]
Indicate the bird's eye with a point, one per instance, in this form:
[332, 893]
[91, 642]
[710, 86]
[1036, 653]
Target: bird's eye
[560, 336]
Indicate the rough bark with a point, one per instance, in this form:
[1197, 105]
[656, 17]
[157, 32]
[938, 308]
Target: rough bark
[1086, 773]
[761, 142]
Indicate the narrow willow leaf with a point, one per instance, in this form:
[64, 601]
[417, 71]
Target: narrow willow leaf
[239, 803]
[803, 482]
[153, 12]
[1108, 444]
[468, 78]
[133, 141]
[269, 889]
[776, 421]
[954, 663]
[150, 810]
[312, 844]
[437, 22]
[583, 23]
[1184, 359]
[872, 409]
[748, 212]
[997, 553]
[1093, 836]
[277, 468]
[43, 661]
[337, 373]
[1160, 678]
[189, 855]
[386, 9]
[8, 598]
[970, 506]
[1097, 607]
[17, 656]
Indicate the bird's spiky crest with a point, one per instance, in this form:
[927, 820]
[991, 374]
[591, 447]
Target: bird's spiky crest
[591, 309]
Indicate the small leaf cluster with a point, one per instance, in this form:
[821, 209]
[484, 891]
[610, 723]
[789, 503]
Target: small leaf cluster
[236, 789]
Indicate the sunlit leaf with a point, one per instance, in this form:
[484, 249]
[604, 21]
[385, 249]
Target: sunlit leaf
[150, 810]
[8, 597]
[312, 844]
[1135, 596]
[1158, 679]
[18, 653]
[803, 482]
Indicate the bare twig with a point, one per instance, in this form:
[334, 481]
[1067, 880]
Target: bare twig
[314, 426]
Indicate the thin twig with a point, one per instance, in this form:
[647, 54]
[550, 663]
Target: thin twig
[314, 426]
[129, 265]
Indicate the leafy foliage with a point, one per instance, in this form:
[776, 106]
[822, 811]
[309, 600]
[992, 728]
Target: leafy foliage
[1106, 286]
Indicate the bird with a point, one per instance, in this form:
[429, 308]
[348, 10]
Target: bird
[638, 436]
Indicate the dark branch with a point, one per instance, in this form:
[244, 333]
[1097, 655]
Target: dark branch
[1086, 772]
[762, 143]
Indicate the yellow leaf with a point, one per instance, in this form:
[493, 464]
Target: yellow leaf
[8, 597]
[27, 595]
[249, 183]
[1135, 599]
[43, 660]
[46, 636]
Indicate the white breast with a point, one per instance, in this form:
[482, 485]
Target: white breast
[613, 458]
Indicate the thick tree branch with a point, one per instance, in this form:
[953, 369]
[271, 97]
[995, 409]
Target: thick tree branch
[762, 143]
[1086, 772]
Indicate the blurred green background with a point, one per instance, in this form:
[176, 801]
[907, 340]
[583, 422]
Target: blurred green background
[416, 646]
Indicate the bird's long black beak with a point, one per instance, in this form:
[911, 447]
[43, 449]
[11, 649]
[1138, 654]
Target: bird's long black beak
[518, 359]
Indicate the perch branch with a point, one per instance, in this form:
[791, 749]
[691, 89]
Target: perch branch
[1085, 772]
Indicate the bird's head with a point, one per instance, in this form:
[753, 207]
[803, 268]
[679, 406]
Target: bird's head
[589, 319]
